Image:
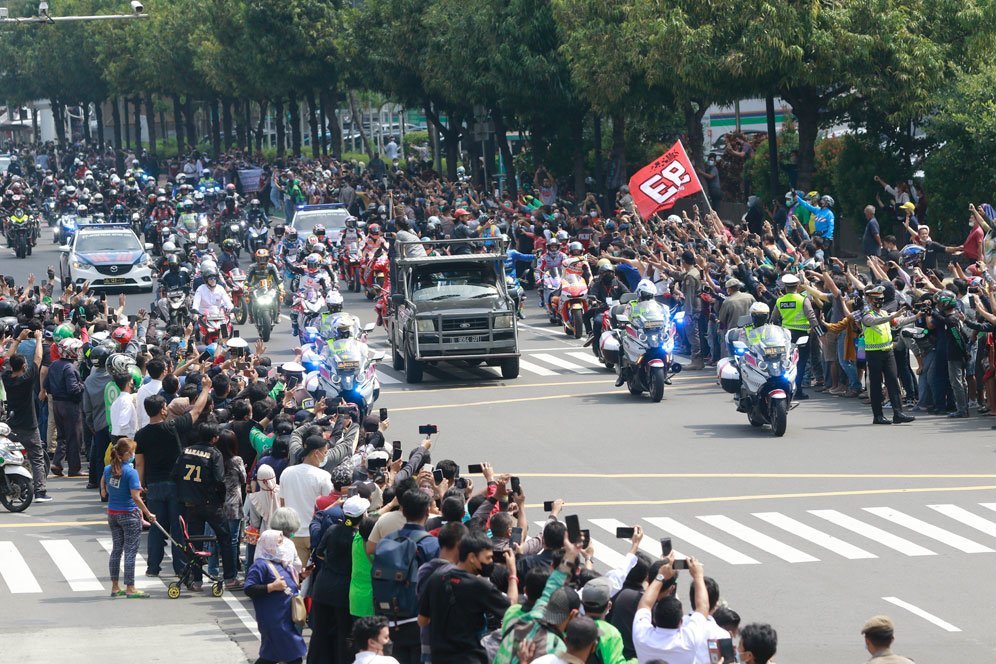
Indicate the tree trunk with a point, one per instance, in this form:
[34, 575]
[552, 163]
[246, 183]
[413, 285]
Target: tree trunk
[261, 127]
[599, 182]
[278, 112]
[162, 124]
[126, 118]
[215, 128]
[242, 135]
[358, 125]
[86, 121]
[294, 110]
[437, 157]
[98, 110]
[323, 104]
[316, 140]
[616, 177]
[138, 123]
[247, 121]
[150, 118]
[188, 115]
[693, 112]
[116, 119]
[60, 123]
[178, 124]
[805, 105]
[577, 154]
[501, 135]
[226, 122]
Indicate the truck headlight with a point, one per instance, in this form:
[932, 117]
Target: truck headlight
[426, 325]
[503, 322]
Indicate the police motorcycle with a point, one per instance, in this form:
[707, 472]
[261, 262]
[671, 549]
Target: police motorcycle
[17, 486]
[65, 229]
[762, 371]
[348, 369]
[642, 343]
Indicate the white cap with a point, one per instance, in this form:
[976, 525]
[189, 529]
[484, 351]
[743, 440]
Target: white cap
[237, 342]
[292, 367]
[355, 507]
[790, 280]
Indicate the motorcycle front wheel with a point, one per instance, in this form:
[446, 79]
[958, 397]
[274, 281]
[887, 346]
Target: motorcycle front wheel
[577, 322]
[263, 325]
[779, 417]
[19, 494]
[242, 313]
[657, 384]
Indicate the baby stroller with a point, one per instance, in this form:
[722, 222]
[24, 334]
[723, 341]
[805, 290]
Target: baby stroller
[196, 560]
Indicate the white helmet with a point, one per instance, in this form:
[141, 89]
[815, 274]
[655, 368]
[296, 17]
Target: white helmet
[674, 219]
[646, 289]
[433, 220]
[563, 236]
[168, 247]
[759, 313]
[202, 242]
[209, 265]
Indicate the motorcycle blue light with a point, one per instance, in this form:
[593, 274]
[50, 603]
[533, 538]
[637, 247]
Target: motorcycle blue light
[679, 317]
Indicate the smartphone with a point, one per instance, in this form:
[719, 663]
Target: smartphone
[437, 476]
[625, 532]
[547, 505]
[240, 366]
[477, 469]
[727, 653]
[516, 486]
[346, 410]
[680, 563]
[971, 301]
[585, 539]
[383, 414]
[132, 318]
[428, 429]
[103, 297]
[202, 357]
[376, 464]
[37, 291]
[516, 536]
[665, 547]
[236, 333]
[573, 528]
[460, 483]
[396, 454]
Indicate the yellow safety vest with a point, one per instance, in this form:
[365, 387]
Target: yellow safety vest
[793, 316]
[878, 337]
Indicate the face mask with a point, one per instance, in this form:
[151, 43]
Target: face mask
[487, 570]
[712, 162]
[388, 649]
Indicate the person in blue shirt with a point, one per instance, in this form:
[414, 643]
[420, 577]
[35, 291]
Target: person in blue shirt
[122, 487]
[822, 215]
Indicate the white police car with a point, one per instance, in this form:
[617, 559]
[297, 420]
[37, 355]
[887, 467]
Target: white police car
[109, 256]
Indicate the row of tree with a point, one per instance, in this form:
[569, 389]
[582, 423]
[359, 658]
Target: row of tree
[576, 75]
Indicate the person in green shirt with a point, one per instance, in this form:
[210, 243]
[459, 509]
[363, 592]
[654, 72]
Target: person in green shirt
[596, 598]
[360, 582]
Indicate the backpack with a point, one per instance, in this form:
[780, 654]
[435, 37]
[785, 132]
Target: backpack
[395, 572]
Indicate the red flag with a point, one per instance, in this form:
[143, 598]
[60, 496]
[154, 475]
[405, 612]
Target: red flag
[658, 185]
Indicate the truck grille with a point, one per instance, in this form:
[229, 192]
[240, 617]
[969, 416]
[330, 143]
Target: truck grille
[113, 270]
[465, 324]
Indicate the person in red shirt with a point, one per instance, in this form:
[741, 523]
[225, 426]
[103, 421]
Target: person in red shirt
[971, 249]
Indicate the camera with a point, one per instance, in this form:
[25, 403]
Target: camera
[137, 7]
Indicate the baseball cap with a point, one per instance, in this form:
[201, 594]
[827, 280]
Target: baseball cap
[734, 283]
[596, 593]
[907, 206]
[879, 625]
[562, 602]
[355, 507]
[460, 212]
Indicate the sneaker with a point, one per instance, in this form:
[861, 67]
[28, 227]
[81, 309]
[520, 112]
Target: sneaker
[957, 416]
[56, 470]
[91, 485]
[149, 573]
[43, 498]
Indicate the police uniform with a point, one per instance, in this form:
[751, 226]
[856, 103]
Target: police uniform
[199, 474]
[876, 327]
[794, 312]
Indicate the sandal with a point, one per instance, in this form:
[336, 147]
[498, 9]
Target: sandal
[119, 593]
[138, 594]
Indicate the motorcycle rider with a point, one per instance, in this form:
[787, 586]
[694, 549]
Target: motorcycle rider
[174, 278]
[256, 214]
[577, 251]
[119, 215]
[17, 217]
[264, 270]
[646, 291]
[606, 287]
[97, 204]
[315, 277]
[229, 259]
[553, 259]
[207, 180]
[203, 250]
[211, 294]
[794, 311]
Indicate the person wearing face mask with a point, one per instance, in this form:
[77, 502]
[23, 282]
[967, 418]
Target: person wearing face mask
[711, 175]
[372, 637]
[302, 484]
[606, 286]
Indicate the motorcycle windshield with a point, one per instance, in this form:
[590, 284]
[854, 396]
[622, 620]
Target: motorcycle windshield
[348, 355]
[649, 314]
[772, 340]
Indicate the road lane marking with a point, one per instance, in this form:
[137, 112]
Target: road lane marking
[15, 571]
[884, 538]
[917, 611]
[700, 541]
[649, 545]
[502, 401]
[928, 530]
[72, 566]
[243, 615]
[141, 581]
[603, 552]
[793, 476]
[815, 536]
[758, 539]
[962, 515]
[563, 364]
[53, 524]
[536, 369]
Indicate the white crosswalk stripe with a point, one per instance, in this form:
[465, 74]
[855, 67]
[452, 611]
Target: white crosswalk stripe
[563, 364]
[813, 535]
[871, 532]
[141, 581]
[929, 530]
[758, 539]
[971, 520]
[72, 566]
[586, 358]
[549, 362]
[15, 571]
[535, 368]
[701, 541]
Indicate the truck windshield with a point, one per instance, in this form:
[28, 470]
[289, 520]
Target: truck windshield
[453, 282]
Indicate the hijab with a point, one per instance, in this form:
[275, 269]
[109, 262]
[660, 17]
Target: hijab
[267, 499]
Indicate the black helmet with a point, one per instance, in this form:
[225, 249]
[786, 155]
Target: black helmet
[99, 355]
[172, 261]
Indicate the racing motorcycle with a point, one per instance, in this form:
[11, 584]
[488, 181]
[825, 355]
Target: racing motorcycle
[550, 287]
[264, 308]
[571, 303]
[377, 271]
[237, 291]
[347, 374]
[65, 229]
[352, 266]
[761, 375]
[20, 236]
[644, 343]
[174, 308]
[310, 306]
[17, 486]
[49, 211]
[258, 236]
[213, 325]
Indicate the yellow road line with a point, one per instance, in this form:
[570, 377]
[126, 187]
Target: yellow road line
[52, 524]
[770, 496]
[838, 476]
[501, 401]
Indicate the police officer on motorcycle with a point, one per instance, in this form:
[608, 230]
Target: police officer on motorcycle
[605, 287]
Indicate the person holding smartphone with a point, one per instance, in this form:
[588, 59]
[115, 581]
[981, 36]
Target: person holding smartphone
[659, 632]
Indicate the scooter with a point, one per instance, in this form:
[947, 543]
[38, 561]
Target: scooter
[17, 486]
[173, 309]
[550, 285]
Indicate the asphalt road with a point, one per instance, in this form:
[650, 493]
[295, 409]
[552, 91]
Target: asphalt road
[813, 532]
